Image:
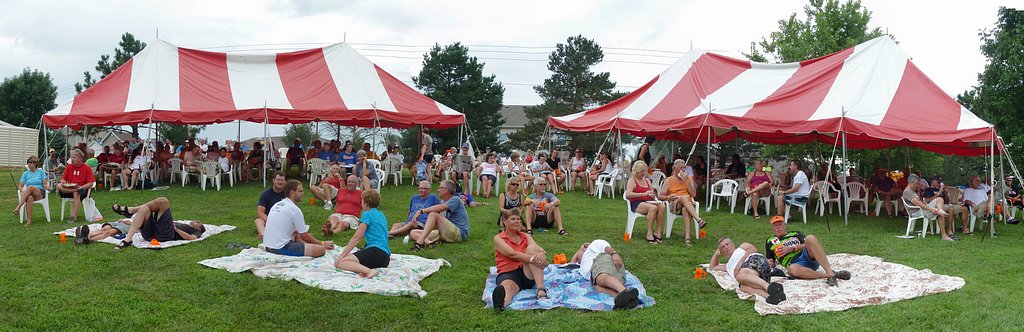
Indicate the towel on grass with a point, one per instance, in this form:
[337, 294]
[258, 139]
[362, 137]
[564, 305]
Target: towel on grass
[401, 277]
[566, 288]
[873, 282]
[139, 242]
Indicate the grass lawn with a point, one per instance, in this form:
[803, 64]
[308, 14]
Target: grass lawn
[47, 285]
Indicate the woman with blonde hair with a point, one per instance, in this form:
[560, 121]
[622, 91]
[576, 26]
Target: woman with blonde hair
[512, 197]
[643, 200]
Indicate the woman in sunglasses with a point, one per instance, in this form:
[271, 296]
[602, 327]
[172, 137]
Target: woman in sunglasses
[32, 185]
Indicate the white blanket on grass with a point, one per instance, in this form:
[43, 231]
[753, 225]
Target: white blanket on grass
[873, 282]
[401, 277]
[139, 242]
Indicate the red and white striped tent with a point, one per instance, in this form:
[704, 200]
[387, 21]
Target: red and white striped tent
[170, 84]
[872, 93]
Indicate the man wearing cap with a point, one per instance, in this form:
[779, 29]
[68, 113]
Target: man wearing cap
[1013, 197]
[296, 157]
[800, 255]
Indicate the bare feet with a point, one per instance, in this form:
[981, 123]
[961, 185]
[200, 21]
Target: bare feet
[373, 273]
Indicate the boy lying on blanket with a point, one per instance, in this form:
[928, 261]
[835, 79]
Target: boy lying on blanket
[750, 269]
[115, 229]
[603, 265]
[154, 221]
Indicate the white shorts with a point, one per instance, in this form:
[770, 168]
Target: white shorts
[349, 219]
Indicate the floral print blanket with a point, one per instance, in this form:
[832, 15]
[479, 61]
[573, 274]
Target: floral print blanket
[400, 278]
[873, 282]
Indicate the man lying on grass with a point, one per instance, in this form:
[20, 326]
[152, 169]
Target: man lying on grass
[603, 266]
[154, 221]
[750, 269]
[287, 233]
[373, 226]
[801, 255]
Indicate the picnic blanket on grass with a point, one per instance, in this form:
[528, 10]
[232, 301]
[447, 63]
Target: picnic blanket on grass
[566, 288]
[139, 242]
[401, 277]
[873, 282]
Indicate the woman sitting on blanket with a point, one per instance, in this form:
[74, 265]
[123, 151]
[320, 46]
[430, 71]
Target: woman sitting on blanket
[374, 227]
[512, 250]
[154, 221]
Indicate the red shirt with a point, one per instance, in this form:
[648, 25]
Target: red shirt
[116, 158]
[504, 263]
[333, 181]
[102, 158]
[81, 174]
[349, 202]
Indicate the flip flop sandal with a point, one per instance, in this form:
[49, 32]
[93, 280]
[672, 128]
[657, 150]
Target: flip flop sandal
[121, 210]
[123, 244]
[541, 296]
[562, 232]
[657, 239]
[651, 241]
[701, 223]
[689, 243]
[529, 231]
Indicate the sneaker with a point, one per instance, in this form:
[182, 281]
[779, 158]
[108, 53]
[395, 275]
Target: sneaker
[78, 234]
[627, 299]
[843, 274]
[831, 281]
[777, 272]
[328, 206]
[776, 293]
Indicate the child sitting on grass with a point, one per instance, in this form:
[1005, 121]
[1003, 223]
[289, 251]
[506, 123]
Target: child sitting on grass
[374, 227]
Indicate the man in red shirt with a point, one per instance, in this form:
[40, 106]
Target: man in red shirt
[76, 182]
[102, 158]
[347, 208]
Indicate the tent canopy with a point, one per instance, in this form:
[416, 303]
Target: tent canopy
[166, 83]
[872, 92]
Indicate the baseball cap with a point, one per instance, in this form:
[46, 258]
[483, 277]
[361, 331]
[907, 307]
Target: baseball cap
[465, 145]
[776, 219]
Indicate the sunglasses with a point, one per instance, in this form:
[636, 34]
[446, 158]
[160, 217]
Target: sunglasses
[541, 184]
[513, 184]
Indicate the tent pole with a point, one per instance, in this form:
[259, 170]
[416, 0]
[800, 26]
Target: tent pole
[46, 142]
[707, 171]
[239, 138]
[266, 145]
[149, 136]
[846, 194]
[992, 183]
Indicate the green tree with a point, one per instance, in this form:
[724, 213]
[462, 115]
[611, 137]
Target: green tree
[1000, 91]
[26, 97]
[127, 48]
[827, 27]
[573, 87]
[452, 77]
[300, 131]
[179, 133]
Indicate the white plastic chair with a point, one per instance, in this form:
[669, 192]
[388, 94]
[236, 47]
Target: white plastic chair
[230, 173]
[631, 217]
[726, 190]
[375, 163]
[878, 203]
[855, 192]
[765, 201]
[45, 202]
[177, 169]
[657, 179]
[606, 180]
[209, 171]
[670, 218]
[825, 190]
[914, 213]
[381, 178]
[64, 201]
[803, 210]
[317, 170]
[393, 168]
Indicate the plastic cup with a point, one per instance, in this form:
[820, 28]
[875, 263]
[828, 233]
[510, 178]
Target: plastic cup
[63, 237]
[625, 237]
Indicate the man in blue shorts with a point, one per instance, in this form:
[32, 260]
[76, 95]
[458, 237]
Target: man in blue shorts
[801, 255]
[287, 233]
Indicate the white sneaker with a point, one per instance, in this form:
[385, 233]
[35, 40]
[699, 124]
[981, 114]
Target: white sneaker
[405, 239]
[328, 206]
